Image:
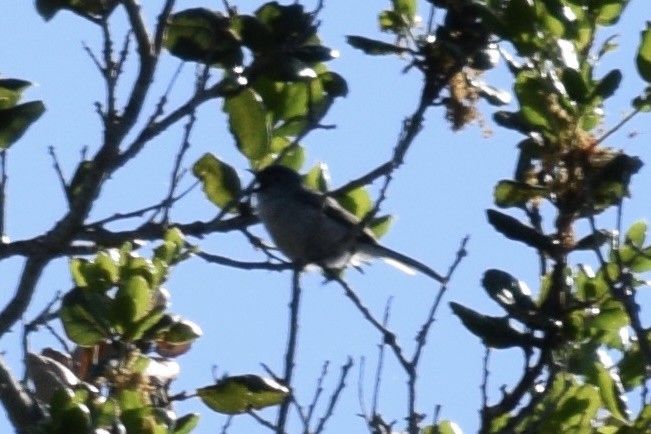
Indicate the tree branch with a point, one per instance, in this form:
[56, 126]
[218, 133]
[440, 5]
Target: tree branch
[22, 409]
[292, 342]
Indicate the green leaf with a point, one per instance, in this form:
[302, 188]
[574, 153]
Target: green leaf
[610, 389]
[607, 12]
[533, 94]
[84, 316]
[247, 119]
[314, 53]
[515, 297]
[318, 178]
[643, 59]
[11, 90]
[182, 332]
[643, 421]
[574, 85]
[15, 120]
[636, 234]
[287, 23]
[611, 316]
[133, 301]
[592, 241]
[204, 36]
[495, 332]
[515, 230]
[374, 47]
[333, 84]
[220, 181]
[608, 85]
[253, 33]
[104, 412]
[380, 225]
[357, 201]
[186, 423]
[92, 9]
[238, 394]
[444, 427]
[516, 194]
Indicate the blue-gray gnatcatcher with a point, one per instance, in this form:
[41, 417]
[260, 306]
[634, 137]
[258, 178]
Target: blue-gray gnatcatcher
[311, 228]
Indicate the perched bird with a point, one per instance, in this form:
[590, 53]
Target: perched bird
[312, 228]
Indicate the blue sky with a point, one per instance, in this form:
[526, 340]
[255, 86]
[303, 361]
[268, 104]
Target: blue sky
[438, 196]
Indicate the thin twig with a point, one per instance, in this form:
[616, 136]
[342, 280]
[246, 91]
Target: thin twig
[317, 393]
[292, 342]
[421, 338]
[59, 171]
[335, 397]
[389, 336]
[3, 192]
[222, 260]
[262, 421]
[380, 360]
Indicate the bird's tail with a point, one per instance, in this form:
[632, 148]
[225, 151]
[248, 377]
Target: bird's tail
[402, 262]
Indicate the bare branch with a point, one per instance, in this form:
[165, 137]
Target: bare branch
[421, 338]
[388, 335]
[3, 192]
[290, 353]
[22, 409]
[380, 360]
[161, 26]
[34, 266]
[221, 260]
[335, 396]
[58, 170]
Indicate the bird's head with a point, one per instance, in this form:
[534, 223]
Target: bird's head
[277, 176]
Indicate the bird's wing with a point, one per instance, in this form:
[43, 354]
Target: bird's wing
[332, 209]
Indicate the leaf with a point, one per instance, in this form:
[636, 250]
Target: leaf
[133, 301]
[512, 120]
[204, 36]
[186, 423]
[333, 84]
[182, 332]
[610, 389]
[493, 95]
[357, 201]
[643, 59]
[592, 241]
[574, 85]
[608, 85]
[444, 427]
[495, 332]
[516, 194]
[84, 316]
[533, 97]
[247, 119]
[220, 181]
[607, 12]
[11, 90]
[636, 234]
[93, 9]
[15, 120]
[314, 53]
[515, 230]
[380, 225]
[515, 297]
[288, 23]
[253, 33]
[374, 47]
[240, 393]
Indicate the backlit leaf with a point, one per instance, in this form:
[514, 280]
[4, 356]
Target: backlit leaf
[220, 181]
